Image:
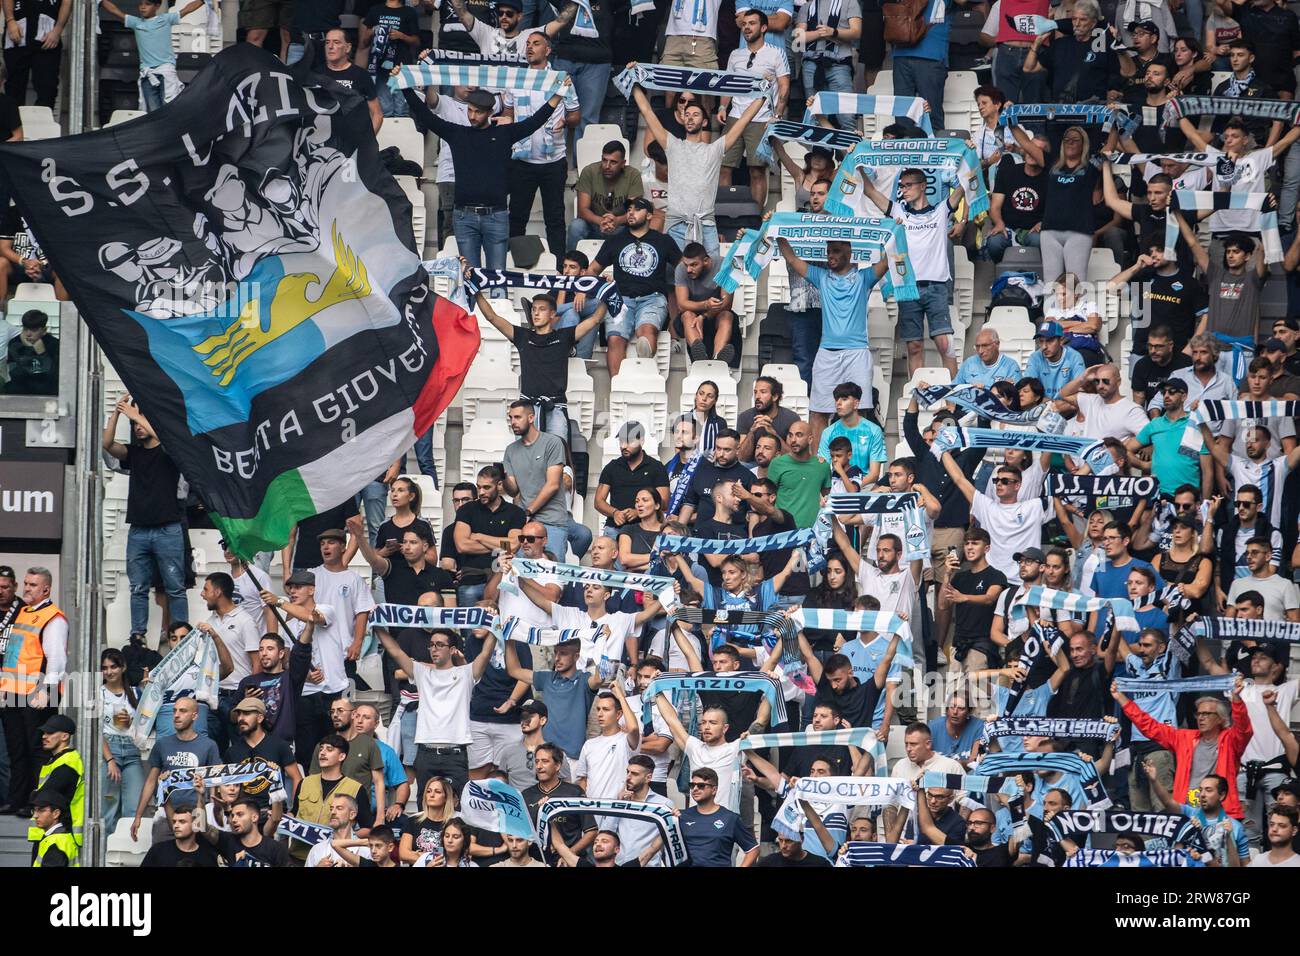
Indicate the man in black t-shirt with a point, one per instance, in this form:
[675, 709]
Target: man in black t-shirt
[640, 257]
[244, 845]
[698, 501]
[974, 591]
[1160, 362]
[254, 741]
[340, 68]
[766, 518]
[462, 493]
[578, 830]
[482, 527]
[185, 849]
[724, 524]
[390, 36]
[156, 538]
[412, 577]
[1275, 32]
[622, 478]
[790, 853]
[1170, 295]
[544, 352]
[304, 540]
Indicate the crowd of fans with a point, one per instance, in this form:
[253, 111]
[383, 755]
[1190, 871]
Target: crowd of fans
[1218, 539]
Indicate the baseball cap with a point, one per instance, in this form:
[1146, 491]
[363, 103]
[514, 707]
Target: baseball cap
[336, 534]
[1174, 382]
[1147, 25]
[49, 797]
[531, 706]
[1291, 786]
[250, 704]
[1190, 520]
[1272, 649]
[59, 724]
[1049, 330]
[511, 4]
[1274, 345]
[1289, 322]
[640, 202]
[481, 99]
[302, 577]
[1030, 554]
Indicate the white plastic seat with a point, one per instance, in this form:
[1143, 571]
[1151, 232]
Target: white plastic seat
[489, 384]
[418, 214]
[121, 850]
[638, 393]
[931, 375]
[400, 131]
[483, 443]
[122, 116]
[190, 38]
[710, 371]
[582, 397]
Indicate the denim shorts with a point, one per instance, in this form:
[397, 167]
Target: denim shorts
[649, 309]
[932, 304]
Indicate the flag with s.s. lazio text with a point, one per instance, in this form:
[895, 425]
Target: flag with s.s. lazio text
[248, 266]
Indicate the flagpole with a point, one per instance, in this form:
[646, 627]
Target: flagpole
[275, 608]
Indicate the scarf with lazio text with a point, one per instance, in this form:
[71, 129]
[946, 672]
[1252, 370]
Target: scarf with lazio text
[1207, 158]
[677, 79]
[859, 853]
[1085, 114]
[730, 682]
[1068, 728]
[309, 833]
[951, 156]
[1091, 451]
[674, 851]
[1202, 200]
[603, 290]
[975, 398]
[1101, 491]
[663, 588]
[1221, 410]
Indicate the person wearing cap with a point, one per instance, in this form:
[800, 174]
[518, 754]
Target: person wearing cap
[481, 155]
[625, 475]
[1287, 329]
[1146, 48]
[56, 846]
[640, 257]
[33, 358]
[338, 584]
[63, 776]
[509, 39]
[155, 538]
[327, 679]
[1164, 435]
[31, 676]
[255, 743]
[1283, 383]
[1053, 363]
[514, 761]
[544, 351]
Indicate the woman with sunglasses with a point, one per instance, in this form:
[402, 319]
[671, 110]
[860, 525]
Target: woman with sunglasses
[1184, 566]
[121, 777]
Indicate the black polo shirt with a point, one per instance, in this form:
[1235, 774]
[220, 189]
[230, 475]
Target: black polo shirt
[1276, 35]
[624, 481]
[482, 520]
[402, 585]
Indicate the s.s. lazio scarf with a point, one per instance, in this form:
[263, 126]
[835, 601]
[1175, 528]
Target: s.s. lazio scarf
[1203, 200]
[1005, 764]
[865, 104]
[497, 807]
[1089, 450]
[1286, 112]
[1221, 410]
[1174, 827]
[975, 398]
[1205, 684]
[1085, 114]
[839, 140]
[848, 198]
[302, 831]
[474, 618]
[655, 76]
[603, 290]
[1121, 609]
[1207, 158]
[859, 853]
[218, 775]
[419, 75]
[1102, 491]
[658, 814]
[457, 58]
[196, 650]
[731, 682]
[1068, 728]
[871, 240]
[1109, 858]
[663, 588]
[864, 738]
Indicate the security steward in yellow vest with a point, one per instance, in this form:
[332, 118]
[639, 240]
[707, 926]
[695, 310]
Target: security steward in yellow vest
[64, 776]
[57, 847]
[312, 802]
[33, 654]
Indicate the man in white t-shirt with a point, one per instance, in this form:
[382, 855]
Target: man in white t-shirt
[691, 39]
[636, 836]
[1105, 414]
[1282, 827]
[1015, 526]
[343, 818]
[656, 744]
[710, 749]
[234, 628]
[918, 744]
[339, 585]
[246, 591]
[327, 678]
[754, 57]
[889, 581]
[602, 765]
[442, 731]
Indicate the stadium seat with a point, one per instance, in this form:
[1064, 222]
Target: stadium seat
[191, 38]
[718, 372]
[413, 193]
[1021, 259]
[882, 387]
[931, 376]
[489, 385]
[121, 850]
[582, 397]
[593, 140]
[124, 116]
[638, 393]
[400, 131]
[794, 389]
[483, 443]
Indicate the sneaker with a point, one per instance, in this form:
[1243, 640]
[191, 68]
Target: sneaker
[697, 351]
[643, 347]
[726, 353]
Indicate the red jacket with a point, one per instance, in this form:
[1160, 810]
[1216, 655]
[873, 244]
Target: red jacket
[1232, 744]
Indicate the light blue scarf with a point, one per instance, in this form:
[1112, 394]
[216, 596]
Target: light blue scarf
[196, 650]
[827, 103]
[723, 683]
[1205, 684]
[1089, 450]
[496, 78]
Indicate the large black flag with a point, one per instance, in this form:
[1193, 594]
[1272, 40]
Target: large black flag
[248, 266]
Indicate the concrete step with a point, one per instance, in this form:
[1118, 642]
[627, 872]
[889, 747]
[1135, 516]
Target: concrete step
[15, 851]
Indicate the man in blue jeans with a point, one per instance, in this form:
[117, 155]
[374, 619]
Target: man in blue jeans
[584, 53]
[481, 156]
[154, 513]
[922, 68]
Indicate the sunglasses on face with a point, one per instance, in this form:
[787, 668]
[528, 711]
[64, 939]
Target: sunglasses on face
[701, 786]
[1186, 506]
[531, 538]
[1102, 381]
[1004, 481]
[1244, 504]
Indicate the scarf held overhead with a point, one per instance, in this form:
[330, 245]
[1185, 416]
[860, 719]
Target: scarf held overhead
[677, 79]
[1286, 112]
[1221, 410]
[1092, 452]
[1205, 684]
[865, 104]
[663, 588]
[196, 650]
[953, 155]
[975, 398]
[858, 853]
[1069, 728]
[602, 289]
[658, 814]
[1217, 200]
[497, 807]
[712, 681]
[1005, 764]
[496, 78]
[1174, 827]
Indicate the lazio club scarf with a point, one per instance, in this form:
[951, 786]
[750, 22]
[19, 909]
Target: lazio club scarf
[496, 806]
[853, 791]
[1102, 491]
[1110, 858]
[655, 76]
[1201, 200]
[658, 814]
[1286, 112]
[975, 398]
[663, 588]
[866, 104]
[195, 650]
[871, 240]
[952, 155]
[859, 853]
[1069, 728]
[496, 78]
[1077, 824]
[602, 289]
[302, 831]
[1092, 452]
[730, 682]
[1220, 410]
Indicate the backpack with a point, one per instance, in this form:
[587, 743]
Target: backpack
[1016, 295]
[905, 21]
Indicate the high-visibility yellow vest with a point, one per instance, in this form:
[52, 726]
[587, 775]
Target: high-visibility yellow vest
[24, 658]
[64, 841]
[69, 758]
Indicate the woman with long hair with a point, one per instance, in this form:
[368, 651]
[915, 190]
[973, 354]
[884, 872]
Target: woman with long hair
[837, 591]
[707, 421]
[818, 164]
[455, 846]
[1186, 52]
[121, 778]
[1185, 567]
[1079, 317]
[1073, 187]
[406, 498]
[636, 540]
[422, 833]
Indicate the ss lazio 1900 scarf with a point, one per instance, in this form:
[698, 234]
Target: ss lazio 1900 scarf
[661, 816]
[1092, 452]
[858, 853]
[1220, 410]
[601, 289]
[655, 76]
[248, 266]
[1077, 824]
[975, 398]
[1005, 764]
[866, 104]
[218, 775]
[1101, 491]
[728, 682]
[1217, 200]
[1068, 728]
[848, 198]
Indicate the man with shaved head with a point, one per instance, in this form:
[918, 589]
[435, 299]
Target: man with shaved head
[1105, 413]
[800, 477]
